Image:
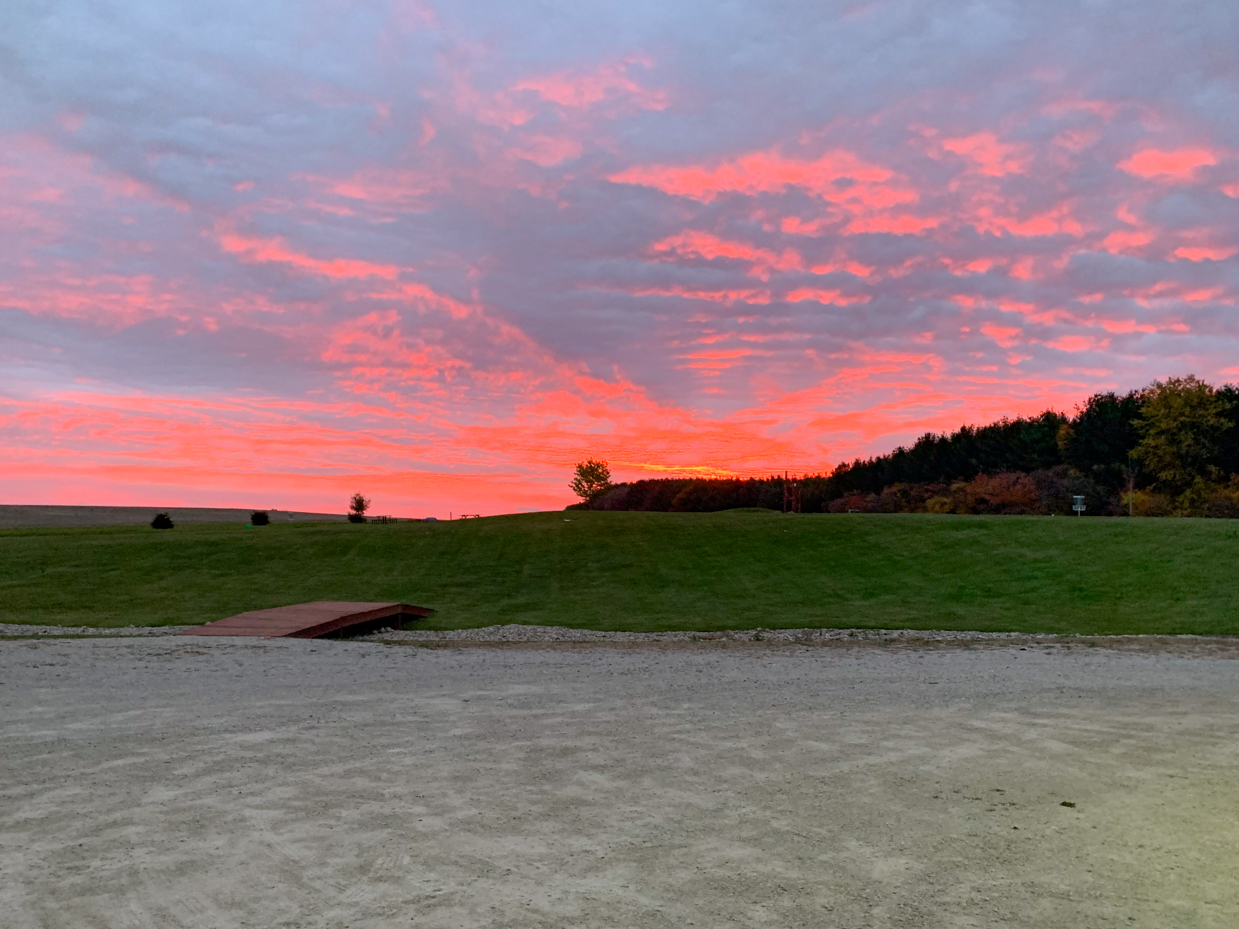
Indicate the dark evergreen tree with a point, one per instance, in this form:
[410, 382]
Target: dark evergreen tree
[1228, 444]
[1100, 438]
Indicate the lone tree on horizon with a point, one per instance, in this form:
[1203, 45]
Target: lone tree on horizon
[593, 478]
[357, 507]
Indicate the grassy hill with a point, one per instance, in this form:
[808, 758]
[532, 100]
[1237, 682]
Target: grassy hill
[652, 571]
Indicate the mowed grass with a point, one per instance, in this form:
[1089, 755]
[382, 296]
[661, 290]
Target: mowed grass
[653, 571]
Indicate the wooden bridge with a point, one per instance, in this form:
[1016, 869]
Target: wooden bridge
[313, 620]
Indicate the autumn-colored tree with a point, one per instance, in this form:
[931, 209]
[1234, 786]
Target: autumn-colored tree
[593, 478]
[1181, 423]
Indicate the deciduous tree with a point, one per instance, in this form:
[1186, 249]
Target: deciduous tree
[1181, 423]
[357, 507]
[592, 478]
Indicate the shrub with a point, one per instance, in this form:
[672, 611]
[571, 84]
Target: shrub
[356, 518]
[861, 503]
[1224, 501]
[260, 518]
[1223, 506]
[938, 505]
[161, 521]
[1059, 485]
[1146, 503]
[1009, 493]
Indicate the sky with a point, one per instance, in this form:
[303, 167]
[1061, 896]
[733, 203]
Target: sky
[269, 253]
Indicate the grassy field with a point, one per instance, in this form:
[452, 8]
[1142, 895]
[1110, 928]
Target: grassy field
[652, 571]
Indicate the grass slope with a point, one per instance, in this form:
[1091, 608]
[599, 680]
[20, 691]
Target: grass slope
[653, 571]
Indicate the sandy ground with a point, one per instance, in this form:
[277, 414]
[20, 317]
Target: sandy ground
[14, 516]
[216, 783]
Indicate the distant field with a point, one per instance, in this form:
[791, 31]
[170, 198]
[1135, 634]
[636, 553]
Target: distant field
[652, 571]
[22, 516]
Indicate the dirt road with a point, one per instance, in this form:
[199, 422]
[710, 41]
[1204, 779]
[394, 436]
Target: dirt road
[175, 782]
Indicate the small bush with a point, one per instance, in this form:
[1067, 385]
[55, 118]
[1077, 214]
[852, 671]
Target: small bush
[1222, 507]
[356, 518]
[1006, 493]
[161, 521]
[854, 502]
[1144, 503]
[260, 518]
[1224, 501]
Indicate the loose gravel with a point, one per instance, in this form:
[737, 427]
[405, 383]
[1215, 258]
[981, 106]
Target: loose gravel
[24, 629]
[517, 634]
[193, 782]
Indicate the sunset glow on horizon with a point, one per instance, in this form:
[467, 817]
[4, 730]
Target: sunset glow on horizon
[272, 253]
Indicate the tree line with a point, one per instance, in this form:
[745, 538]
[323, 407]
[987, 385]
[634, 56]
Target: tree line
[1171, 448]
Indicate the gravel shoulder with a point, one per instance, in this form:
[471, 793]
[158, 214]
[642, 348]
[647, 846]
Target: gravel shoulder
[31, 629]
[228, 782]
[517, 634]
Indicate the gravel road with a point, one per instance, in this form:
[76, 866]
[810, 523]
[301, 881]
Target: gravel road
[169, 782]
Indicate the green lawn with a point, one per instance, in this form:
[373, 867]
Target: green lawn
[653, 571]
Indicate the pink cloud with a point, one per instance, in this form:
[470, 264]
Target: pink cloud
[1180, 164]
[722, 295]
[868, 186]
[384, 187]
[582, 90]
[991, 157]
[692, 244]
[1005, 336]
[256, 250]
[546, 150]
[1127, 241]
[1078, 343]
[826, 296]
[1204, 253]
